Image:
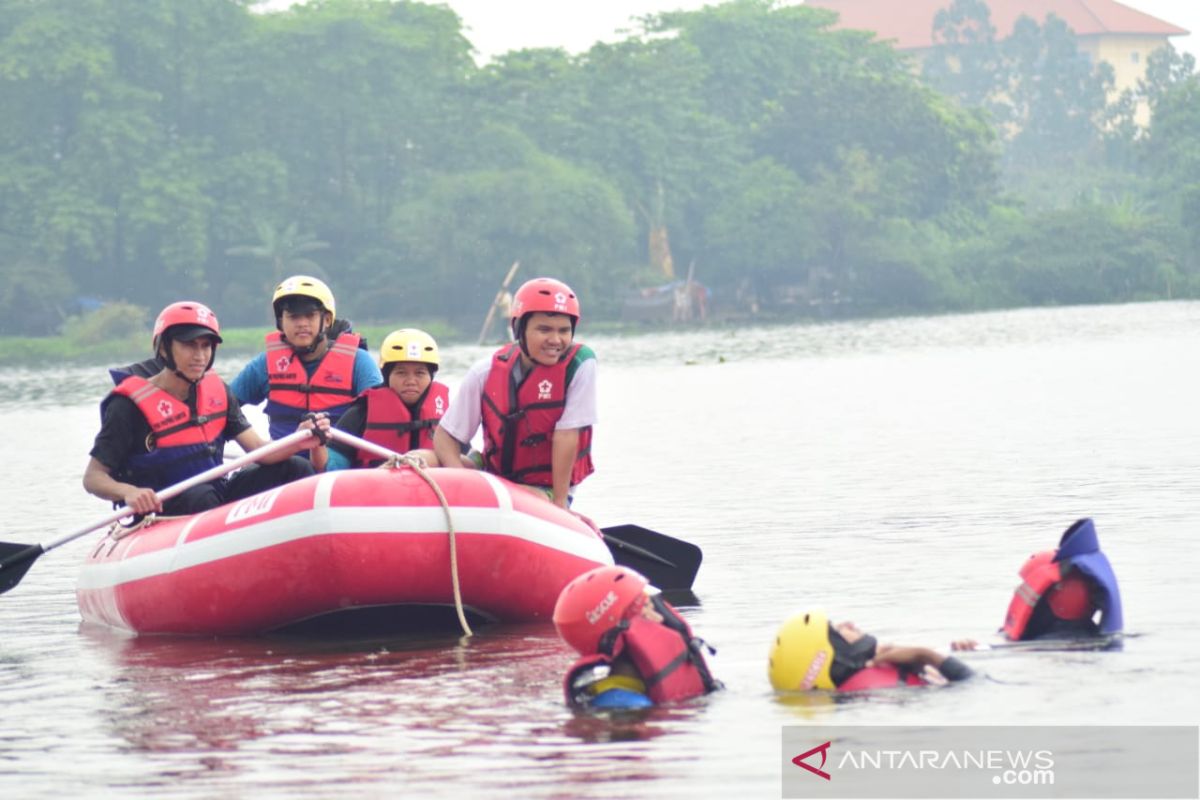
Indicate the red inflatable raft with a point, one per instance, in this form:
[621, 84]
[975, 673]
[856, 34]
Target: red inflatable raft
[355, 539]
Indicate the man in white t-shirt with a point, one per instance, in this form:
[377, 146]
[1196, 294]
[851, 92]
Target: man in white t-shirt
[535, 398]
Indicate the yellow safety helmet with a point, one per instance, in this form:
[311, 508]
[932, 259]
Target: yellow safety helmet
[303, 286]
[408, 344]
[802, 654]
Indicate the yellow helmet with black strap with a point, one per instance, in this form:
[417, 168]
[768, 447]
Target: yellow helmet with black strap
[408, 344]
[802, 654]
[302, 286]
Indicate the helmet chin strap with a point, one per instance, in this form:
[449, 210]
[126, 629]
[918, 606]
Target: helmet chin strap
[519, 332]
[316, 342]
[169, 361]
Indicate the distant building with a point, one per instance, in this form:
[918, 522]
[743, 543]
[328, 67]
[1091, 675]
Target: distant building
[1107, 30]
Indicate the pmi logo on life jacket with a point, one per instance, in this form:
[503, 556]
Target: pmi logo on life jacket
[819, 771]
[439, 406]
[544, 390]
[281, 363]
[165, 408]
[605, 604]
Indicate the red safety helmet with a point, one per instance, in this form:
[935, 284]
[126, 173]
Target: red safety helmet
[186, 320]
[544, 294]
[1071, 598]
[596, 601]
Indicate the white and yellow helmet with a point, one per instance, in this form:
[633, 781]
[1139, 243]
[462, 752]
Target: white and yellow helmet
[303, 286]
[409, 344]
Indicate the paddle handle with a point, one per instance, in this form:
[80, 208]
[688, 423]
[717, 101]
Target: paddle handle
[344, 437]
[179, 488]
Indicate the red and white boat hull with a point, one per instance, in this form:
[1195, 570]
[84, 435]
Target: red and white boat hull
[341, 540]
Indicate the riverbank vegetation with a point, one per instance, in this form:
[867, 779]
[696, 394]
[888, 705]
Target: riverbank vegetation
[158, 150]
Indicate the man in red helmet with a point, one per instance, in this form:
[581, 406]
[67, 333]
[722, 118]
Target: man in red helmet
[164, 429]
[535, 398]
[635, 649]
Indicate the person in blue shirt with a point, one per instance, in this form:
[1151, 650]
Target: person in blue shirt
[313, 361]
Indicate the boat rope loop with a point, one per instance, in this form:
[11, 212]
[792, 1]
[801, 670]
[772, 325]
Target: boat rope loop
[118, 531]
[418, 465]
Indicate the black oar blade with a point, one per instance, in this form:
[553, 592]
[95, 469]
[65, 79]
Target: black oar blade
[15, 561]
[666, 562]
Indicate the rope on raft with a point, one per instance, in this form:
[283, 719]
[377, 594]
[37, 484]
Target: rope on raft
[418, 465]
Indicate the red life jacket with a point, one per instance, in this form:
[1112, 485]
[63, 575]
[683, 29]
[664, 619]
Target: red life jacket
[668, 657]
[182, 443]
[518, 421]
[291, 393]
[1038, 574]
[390, 424]
[884, 676]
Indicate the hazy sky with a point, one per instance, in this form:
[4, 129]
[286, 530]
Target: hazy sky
[497, 26]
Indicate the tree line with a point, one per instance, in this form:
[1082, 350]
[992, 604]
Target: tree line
[156, 149]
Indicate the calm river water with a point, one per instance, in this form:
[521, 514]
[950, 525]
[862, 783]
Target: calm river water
[896, 472]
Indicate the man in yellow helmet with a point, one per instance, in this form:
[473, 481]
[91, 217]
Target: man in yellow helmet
[401, 414]
[313, 362]
[810, 652]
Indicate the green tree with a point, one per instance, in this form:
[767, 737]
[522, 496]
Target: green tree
[556, 218]
[967, 62]
[1058, 97]
[284, 250]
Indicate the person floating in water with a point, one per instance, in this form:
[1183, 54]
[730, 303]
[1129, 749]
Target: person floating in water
[636, 651]
[1063, 591]
[810, 652]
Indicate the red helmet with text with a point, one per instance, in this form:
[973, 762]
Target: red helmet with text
[542, 294]
[184, 321]
[596, 601]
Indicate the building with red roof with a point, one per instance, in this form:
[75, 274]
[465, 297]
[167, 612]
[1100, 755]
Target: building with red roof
[1107, 30]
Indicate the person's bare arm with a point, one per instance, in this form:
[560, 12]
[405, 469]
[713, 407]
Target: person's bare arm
[98, 480]
[564, 448]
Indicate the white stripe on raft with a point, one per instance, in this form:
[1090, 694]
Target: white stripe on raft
[324, 491]
[502, 492]
[399, 521]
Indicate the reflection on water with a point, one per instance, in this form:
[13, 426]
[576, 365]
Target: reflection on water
[896, 472]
